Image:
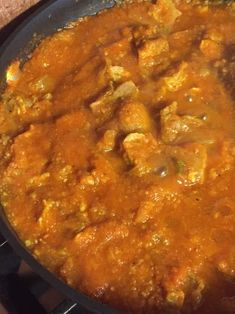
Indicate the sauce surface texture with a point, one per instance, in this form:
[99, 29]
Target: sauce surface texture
[117, 156]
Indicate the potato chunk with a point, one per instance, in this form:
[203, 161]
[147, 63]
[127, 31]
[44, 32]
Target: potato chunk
[174, 127]
[134, 117]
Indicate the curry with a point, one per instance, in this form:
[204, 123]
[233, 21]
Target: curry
[118, 156]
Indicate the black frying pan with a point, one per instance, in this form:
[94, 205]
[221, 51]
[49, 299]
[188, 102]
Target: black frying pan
[43, 22]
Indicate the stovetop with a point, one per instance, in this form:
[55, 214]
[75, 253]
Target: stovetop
[24, 292]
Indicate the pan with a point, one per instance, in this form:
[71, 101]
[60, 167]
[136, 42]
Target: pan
[45, 21]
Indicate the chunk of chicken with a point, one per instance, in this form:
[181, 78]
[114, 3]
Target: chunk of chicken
[174, 127]
[134, 117]
[127, 89]
[165, 13]
[108, 141]
[105, 105]
[190, 161]
[152, 48]
[211, 49]
[146, 155]
[139, 147]
[184, 289]
[183, 41]
[29, 160]
[153, 54]
[175, 81]
[113, 73]
[108, 230]
[118, 73]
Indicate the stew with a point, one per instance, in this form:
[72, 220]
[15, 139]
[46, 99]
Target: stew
[118, 156]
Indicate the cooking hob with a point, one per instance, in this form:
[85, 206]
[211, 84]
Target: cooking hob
[24, 292]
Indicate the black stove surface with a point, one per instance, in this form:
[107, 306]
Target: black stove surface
[24, 292]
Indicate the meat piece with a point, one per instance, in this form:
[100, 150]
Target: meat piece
[104, 171]
[165, 13]
[157, 163]
[153, 55]
[139, 147]
[107, 231]
[113, 73]
[108, 141]
[190, 161]
[134, 117]
[146, 155]
[211, 49]
[184, 289]
[174, 127]
[79, 87]
[29, 159]
[175, 81]
[104, 107]
[152, 48]
[182, 42]
[127, 89]
[118, 73]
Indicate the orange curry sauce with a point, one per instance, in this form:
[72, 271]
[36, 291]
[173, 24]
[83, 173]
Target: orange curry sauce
[117, 156]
